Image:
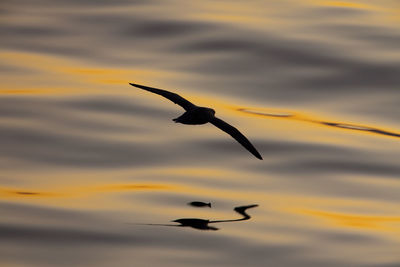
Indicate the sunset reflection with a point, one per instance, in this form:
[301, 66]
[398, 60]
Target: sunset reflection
[79, 191]
[368, 222]
[299, 117]
[95, 172]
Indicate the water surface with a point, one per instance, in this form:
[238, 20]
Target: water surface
[94, 171]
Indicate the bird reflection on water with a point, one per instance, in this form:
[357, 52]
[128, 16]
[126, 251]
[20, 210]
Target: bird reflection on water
[199, 204]
[202, 224]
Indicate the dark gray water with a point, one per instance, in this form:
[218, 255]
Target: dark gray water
[94, 172]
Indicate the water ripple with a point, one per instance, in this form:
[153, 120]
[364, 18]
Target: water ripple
[82, 154]
[299, 117]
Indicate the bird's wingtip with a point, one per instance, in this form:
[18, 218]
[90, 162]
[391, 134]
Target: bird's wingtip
[139, 86]
[136, 85]
[258, 155]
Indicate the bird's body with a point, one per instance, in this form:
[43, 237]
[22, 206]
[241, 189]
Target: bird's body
[196, 115]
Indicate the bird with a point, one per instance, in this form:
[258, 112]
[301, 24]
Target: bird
[195, 115]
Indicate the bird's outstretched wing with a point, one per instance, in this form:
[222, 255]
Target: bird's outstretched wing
[177, 99]
[232, 131]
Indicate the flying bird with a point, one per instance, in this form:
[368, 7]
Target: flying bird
[195, 115]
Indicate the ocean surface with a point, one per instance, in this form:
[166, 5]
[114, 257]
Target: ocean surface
[94, 172]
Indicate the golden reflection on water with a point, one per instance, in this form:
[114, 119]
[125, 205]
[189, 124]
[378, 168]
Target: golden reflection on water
[129, 191]
[291, 203]
[68, 192]
[388, 12]
[388, 7]
[66, 76]
[269, 113]
[266, 15]
[368, 222]
[68, 70]
[285, 204]
[7, 193]
[346, 4]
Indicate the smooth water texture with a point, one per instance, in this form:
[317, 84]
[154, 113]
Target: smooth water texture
[95, 173]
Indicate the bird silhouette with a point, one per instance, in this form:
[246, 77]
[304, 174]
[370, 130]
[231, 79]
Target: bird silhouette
[195, 115]
[199, 204]
[203, 224]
